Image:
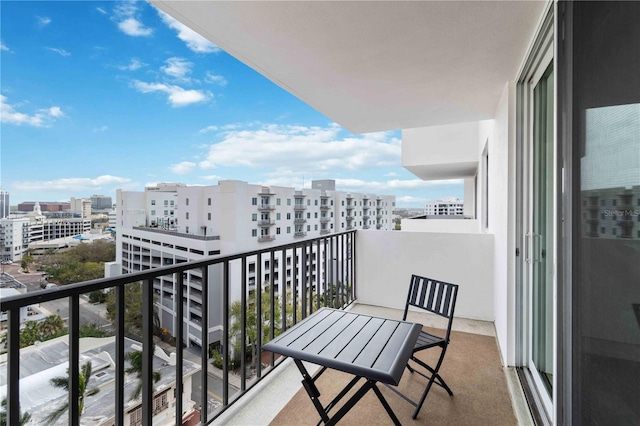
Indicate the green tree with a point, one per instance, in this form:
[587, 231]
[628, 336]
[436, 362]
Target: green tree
[133, 309]
[40, 331]
[235, 313]
[22, 420]
[83, 391]
[135, 361]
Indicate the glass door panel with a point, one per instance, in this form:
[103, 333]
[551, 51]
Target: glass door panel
[541, 231]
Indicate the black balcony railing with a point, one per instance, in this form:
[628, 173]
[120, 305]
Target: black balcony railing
[328, 282]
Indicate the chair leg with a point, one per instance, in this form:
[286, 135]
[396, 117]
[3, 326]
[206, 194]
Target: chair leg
[438, 378]
[434, 375]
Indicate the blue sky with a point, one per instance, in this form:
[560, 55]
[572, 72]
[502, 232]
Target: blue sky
[98, 96]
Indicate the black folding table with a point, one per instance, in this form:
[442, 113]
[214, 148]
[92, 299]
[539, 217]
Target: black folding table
[371, 348]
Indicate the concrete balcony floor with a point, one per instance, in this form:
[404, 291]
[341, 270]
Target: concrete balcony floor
[484, 391]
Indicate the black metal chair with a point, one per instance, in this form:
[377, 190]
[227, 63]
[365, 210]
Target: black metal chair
[439, 298]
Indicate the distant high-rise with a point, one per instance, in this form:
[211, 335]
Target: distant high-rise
[448, 206]
[101, 202]
[4, 204]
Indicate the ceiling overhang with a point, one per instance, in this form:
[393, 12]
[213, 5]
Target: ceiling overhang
[379, 65]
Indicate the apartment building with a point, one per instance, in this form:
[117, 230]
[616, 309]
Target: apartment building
[448, 206]
[101, 202]
[173, 223]
[16, 233]
[4, 204]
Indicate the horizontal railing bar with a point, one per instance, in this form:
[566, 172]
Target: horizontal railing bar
[40, 296]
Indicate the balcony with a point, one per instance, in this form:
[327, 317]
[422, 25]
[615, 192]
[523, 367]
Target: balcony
[324, 220]
[300, 234]
[266, 222]
[299, 220]
[266, 238]
[266, 207]
[324, 207]
[324, 231]
[299, 206]
[420, 253]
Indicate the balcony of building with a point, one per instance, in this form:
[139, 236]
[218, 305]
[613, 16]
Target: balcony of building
[266, 207]
[299, 220]
[266, 238]
[266, 222]
[299, 206]
[279, 398]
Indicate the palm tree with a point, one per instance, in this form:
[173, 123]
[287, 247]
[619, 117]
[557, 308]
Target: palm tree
[135, 359]
[83, 383]
[22, 420]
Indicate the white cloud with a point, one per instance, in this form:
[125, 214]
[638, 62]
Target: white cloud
[178, 96]
[212, 177]
[133, 65]
[410, 199]
[215, 79]
[101, 10]
[182, 168]
[43, 20]
[193, 40]
[62, 52]
[303, 148]
[40, 118]
[72, 184]
[100, 129]
[3, 46]
[390, 174]
[125, 16]
[396, 184]
[135, 28]
[208, 129]
[178, 68]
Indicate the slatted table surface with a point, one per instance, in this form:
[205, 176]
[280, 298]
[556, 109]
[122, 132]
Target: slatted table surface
[366, 346]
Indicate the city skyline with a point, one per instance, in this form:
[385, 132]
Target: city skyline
[99, 96]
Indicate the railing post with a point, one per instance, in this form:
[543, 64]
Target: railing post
[13, 368]
[243, 324]
[179, 330]
[120, 327]
[258, 295]
[147, 351]
[225, 336]
[204, 339]
[74, 359]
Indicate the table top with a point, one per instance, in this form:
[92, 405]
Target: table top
[363, 345]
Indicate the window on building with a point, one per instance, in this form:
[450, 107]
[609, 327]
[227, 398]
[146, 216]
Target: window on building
[254, 217]
[166, 203]
[288, 229]
[278, 201]
[208, 201]
[277, 231]
[342, 203]
[316, 202]
[316, 227]
[308, 227]
[288, 201]
[208, 216]
[254, 232]
[308, 202]
[153, 212]
[186, 201]
[166, 212]
[254, 201]
[308, 215]
[187, 229]
[277, 216]
[153, 202]
[172, 203]
[187, 215]
[288, 216]
[331, 202]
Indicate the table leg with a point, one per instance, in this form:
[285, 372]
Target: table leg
[312, 390]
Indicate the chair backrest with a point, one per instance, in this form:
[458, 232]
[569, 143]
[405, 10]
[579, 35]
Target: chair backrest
[432, 295]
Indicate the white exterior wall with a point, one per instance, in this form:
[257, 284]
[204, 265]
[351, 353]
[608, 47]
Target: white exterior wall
[386, 260]
[13, 242]
[462, 226]
[502, 217]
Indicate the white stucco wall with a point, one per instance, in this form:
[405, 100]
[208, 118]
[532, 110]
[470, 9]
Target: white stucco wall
[469, 226]
[501, 149]
[386, 259]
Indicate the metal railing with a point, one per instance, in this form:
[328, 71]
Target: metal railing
[177, 234]
[328, 281]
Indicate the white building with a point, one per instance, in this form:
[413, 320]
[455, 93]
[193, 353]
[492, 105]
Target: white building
[17, 233]
[81, 206]
[173, 223]
[448, 206]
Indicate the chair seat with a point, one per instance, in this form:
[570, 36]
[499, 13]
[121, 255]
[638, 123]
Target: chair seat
[426, 340]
